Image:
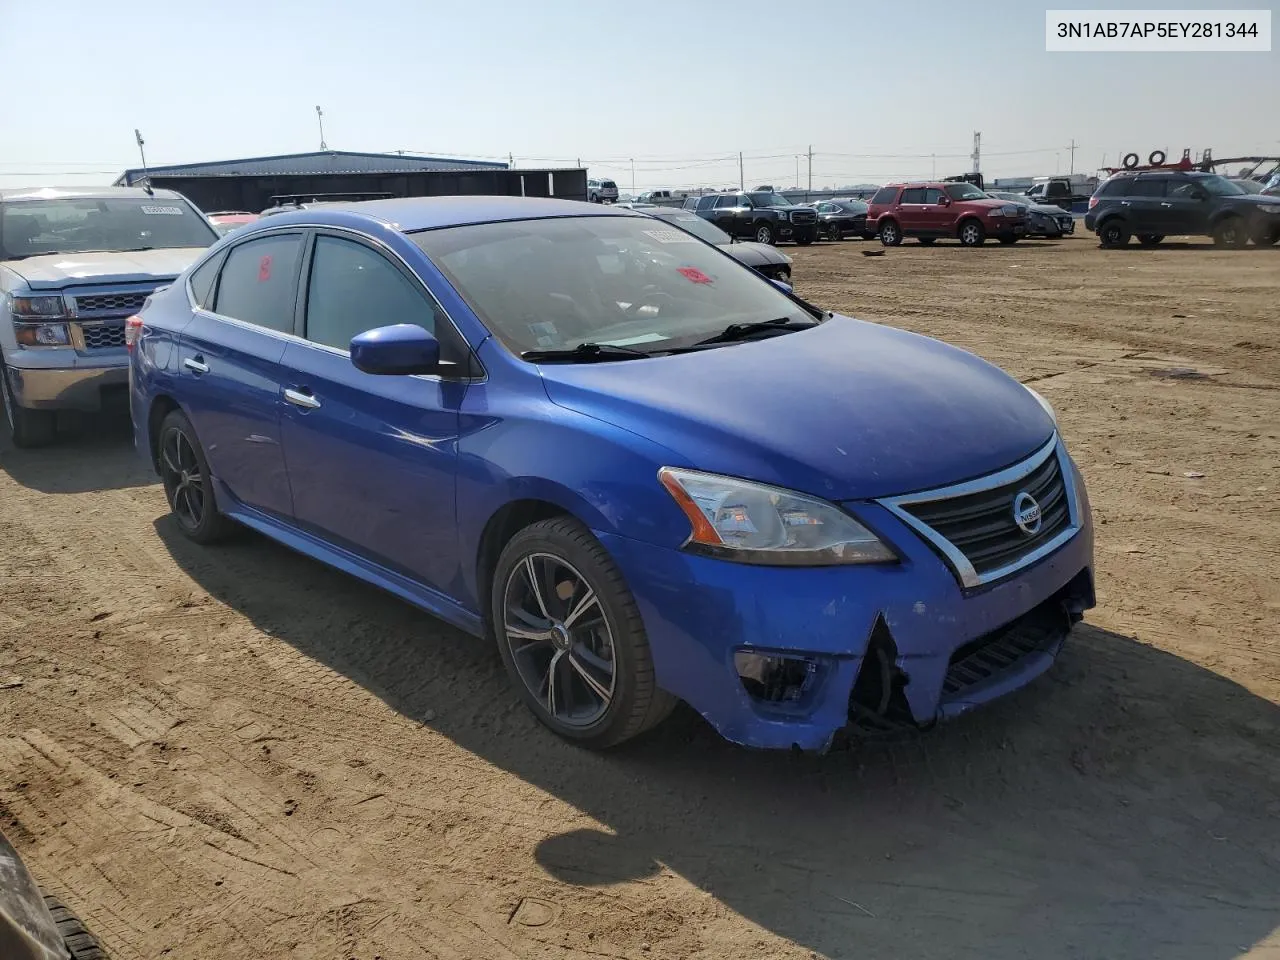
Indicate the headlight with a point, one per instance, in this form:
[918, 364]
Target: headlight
[755, 523]
[1269, 207]
[36, 308]
[41, 334]
[1048, 407]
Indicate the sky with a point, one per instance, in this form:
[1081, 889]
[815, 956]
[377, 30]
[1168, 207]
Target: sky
[878, 90]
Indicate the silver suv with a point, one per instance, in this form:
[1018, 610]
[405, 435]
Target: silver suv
[602, 191]
[74, 263]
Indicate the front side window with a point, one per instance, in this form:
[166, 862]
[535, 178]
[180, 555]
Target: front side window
[932, 195]
[31, 228]
[353, 289]
[556, 283]
[726, 203]
[258, 282]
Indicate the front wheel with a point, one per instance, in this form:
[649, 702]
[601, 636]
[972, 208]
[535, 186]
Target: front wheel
[188, 485]
[27, 428]
[764, 233]
[1264, 238]
[972, 233]
[1230, 233]
[571, 637]
[890, 233]
[1150, 239]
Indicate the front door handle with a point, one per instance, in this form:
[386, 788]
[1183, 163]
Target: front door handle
[196, 364]
[299, 399]
[1166, 204]
[1124, 203]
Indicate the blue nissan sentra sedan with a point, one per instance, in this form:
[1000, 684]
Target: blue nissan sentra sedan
[647, 472]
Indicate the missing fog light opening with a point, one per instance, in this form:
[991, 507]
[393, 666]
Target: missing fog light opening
[775, 679]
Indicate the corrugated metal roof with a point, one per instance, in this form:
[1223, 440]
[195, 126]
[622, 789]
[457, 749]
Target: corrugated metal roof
[328, 161]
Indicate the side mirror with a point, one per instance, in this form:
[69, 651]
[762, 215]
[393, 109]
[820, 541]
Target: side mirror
[944, 201]
[784, 287]
[397, 350]
[1198, 194]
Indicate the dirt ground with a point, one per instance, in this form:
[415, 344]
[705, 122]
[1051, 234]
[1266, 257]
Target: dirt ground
[237, 753]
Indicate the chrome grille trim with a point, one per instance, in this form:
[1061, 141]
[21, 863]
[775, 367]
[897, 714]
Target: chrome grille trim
[964, 570]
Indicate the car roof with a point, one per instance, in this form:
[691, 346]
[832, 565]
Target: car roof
[409, 214]
[84, 193]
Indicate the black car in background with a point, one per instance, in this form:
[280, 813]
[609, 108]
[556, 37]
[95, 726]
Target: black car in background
[761, 257]
[838, 219]
[759, 216]
[1157, 204]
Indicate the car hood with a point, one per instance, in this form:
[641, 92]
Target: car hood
[754, 254]
[1261, 199]
[57, 270]
[847, 410]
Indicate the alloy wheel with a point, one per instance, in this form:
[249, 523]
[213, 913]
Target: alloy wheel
[560, 640]
[182, 477]
[764, 235]
[969, 234]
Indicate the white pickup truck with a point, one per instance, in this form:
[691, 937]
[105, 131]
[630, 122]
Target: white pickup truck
[74, 263]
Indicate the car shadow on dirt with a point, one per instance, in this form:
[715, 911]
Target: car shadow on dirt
[1125, 805]
[91, 453]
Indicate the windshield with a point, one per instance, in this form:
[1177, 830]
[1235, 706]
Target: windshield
[700, 228]
[769, 200]
[1007, 196]
[29, 228]
[964, 191]
[633, 282]
[1248, 186]
[1219, 186]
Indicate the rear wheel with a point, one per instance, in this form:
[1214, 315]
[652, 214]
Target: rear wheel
[571, 637]
[1150, 239]
[80, 943]
[188, 484]
[972, 233]
[764, 233]
[1230, 233]
[890, 233]
[834, 232]
[27, 428]
[1113, 233]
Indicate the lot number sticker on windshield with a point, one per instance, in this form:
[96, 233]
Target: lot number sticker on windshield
[162, 211]
[671, 236]
[693, 275]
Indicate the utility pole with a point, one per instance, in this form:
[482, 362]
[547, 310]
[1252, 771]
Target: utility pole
[511, 160]
[810, 190]
[977, 152]
[1072, 148]
[633, 175]
[320, 120]
[934, 158]
[146, 177]
[797, 171]
[742, 180]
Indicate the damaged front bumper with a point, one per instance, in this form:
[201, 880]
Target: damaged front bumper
[781, 657]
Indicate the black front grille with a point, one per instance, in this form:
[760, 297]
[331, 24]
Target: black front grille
[100, 336]
[982, 525]
[129, 302]
[803, 216]
[1001, 649]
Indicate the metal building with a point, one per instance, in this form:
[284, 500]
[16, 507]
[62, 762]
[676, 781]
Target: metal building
[251, 184]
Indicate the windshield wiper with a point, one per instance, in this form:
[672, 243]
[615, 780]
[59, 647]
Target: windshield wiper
[585, 353]
[735, 332]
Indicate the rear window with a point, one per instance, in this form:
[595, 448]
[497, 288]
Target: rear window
[885, 195]
[1113, 187]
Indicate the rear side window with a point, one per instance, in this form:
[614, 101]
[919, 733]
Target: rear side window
[885, 195]
[913, 195]
[353, 289]
[202, 279]
[706, 203]
[1147, 187]
[257, 284]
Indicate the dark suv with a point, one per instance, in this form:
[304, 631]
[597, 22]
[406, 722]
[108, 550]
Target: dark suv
[1158, 204]
[759, 216]
[941, 209]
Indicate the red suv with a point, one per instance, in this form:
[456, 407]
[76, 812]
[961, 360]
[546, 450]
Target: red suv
[932, 210]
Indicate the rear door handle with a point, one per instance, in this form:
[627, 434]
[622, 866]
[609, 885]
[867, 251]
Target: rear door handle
[1166, 204]
[196, 364]
[299, 399]
[1124, 203]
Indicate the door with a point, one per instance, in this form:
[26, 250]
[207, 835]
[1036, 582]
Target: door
[1185, 208]
[726, 215]
[371, 458]
[935, 218]
[1144, 204]
[910, 211]
[229, 361]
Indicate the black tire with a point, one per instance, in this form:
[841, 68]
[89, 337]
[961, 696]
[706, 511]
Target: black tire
[1150, 239]
[890, 233]
[81, 944]
[926, 241]
[27, 428]
[1130, 161]
[805, 240]
[1113, 233]
[635, 702]
[835, 233]
[1230, 232]
[1156, 158]
[188, 485]
[1264, 239]
[971, 233]
[763, 233]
